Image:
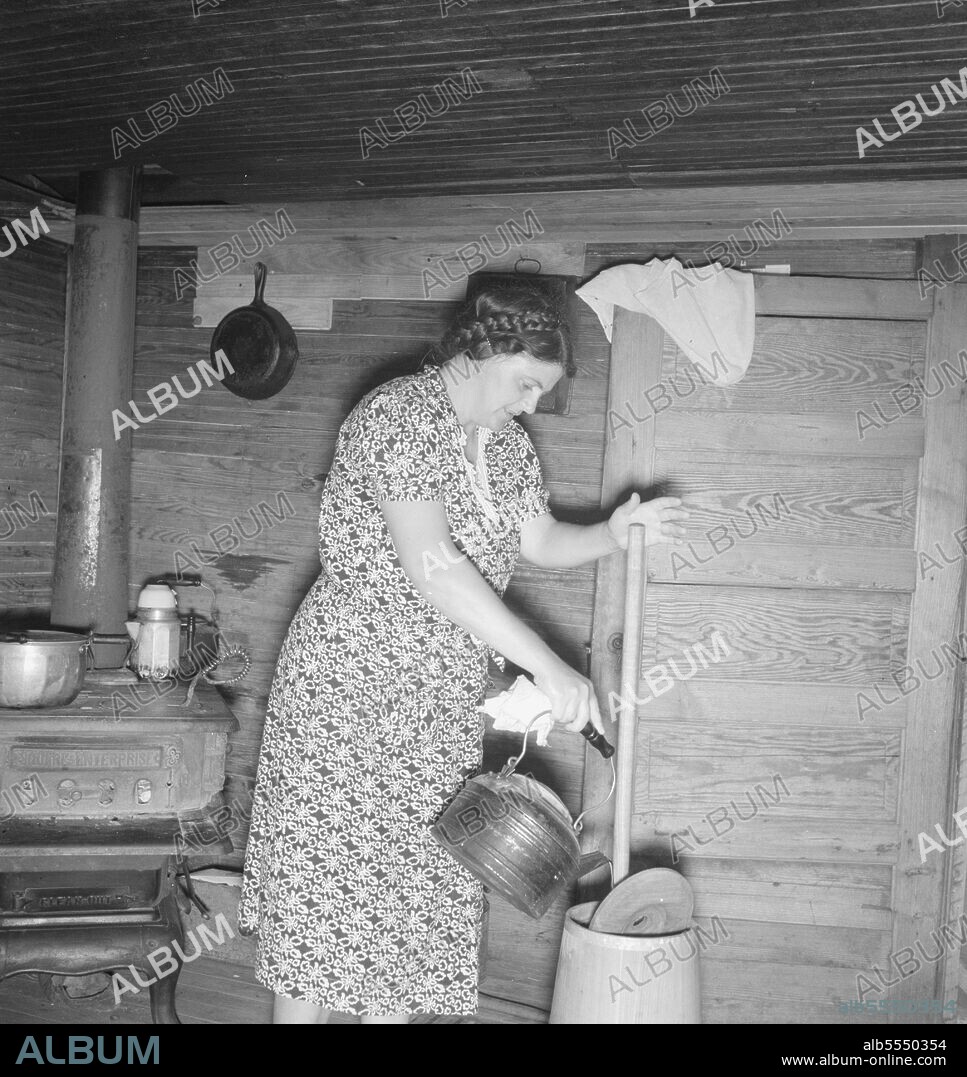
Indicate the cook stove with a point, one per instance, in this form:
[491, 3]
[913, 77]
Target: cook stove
[93, 798]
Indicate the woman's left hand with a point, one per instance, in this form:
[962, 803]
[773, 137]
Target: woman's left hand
[658, 516]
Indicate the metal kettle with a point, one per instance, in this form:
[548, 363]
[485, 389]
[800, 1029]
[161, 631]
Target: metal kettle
[156, 633]
[516, 836]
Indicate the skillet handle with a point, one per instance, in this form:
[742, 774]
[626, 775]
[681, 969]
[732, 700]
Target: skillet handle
[260, 275]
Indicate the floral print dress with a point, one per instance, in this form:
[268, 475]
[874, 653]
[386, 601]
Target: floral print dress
[373, 722]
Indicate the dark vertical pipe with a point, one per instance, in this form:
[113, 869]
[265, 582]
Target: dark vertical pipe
[90, 582]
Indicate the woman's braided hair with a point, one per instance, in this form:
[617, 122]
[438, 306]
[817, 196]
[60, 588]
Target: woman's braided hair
[513, 317]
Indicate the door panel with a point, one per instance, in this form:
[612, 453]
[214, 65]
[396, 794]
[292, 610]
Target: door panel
[791, 806]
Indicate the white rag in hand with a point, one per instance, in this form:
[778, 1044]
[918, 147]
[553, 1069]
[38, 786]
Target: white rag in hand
[514, 708]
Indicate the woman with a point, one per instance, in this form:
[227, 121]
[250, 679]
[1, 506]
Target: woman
[373, 720]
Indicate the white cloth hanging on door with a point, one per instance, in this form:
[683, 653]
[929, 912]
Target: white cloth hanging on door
[709, 312]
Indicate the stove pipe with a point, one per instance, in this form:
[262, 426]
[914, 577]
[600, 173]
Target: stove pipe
[90, 579]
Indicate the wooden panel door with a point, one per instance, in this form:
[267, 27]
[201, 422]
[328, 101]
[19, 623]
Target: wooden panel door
[785, 772]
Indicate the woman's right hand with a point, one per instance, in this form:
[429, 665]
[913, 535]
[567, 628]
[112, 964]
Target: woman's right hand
[573, 702]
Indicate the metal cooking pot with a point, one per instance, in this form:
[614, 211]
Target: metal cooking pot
[516, 836]
[44, 667]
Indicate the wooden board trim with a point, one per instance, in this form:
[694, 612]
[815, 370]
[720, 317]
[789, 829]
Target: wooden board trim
[798, 838]
[822, 434]
[935, 619]
[749, 703]
[302, 308]
[814, 210]
[367, 268]
[841, 297]
[954, 974]
[955, 885]
[753, 564]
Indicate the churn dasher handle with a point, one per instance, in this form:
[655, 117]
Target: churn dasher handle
[635, 582]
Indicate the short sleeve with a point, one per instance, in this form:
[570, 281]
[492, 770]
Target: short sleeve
[400, 448]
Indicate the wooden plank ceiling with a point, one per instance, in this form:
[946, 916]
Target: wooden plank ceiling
[554, 75]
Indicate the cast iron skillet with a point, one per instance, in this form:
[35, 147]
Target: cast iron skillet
[260, 345]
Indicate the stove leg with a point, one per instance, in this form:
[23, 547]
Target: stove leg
[163, 1000]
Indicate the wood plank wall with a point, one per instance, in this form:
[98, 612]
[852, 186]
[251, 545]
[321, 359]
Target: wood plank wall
[213, 459]
[32, 305]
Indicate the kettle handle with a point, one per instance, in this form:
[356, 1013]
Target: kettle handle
[579, 822]
[511, 765]
[591, 735]
[107, 637]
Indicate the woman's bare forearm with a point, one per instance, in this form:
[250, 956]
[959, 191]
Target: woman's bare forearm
[445, 578]
[550, 543]
[463, 596]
